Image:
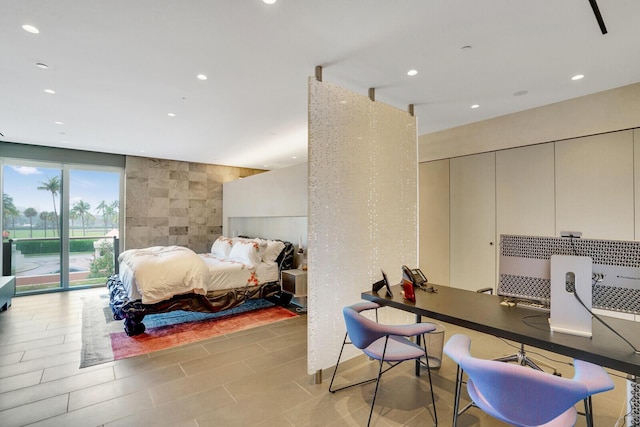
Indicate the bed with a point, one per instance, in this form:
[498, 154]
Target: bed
[160, 279]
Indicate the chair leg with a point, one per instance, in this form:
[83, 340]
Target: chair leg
[375, 392]
[338, 363]
[433, 399]
[588, 411]
[456, 399]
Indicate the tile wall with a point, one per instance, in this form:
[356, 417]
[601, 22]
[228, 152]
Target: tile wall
[171, 202]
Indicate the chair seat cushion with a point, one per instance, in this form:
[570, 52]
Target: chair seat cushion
[567, 418]
[398, 349]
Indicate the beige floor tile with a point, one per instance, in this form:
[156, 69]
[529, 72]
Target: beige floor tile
[132, 384]
[35, 411]
[50, 389]
[254, 377]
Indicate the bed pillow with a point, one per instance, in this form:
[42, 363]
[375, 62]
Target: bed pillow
[246, 252]
[274, 247]
[221, 247]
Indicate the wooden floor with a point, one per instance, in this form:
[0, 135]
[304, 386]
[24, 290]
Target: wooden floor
[256, 377]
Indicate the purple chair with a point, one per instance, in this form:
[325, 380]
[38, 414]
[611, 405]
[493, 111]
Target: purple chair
[384, 343]
[523, 396]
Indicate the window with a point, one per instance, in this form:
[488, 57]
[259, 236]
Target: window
[59, 222]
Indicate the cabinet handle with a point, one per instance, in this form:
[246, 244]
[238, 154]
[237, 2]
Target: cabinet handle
[490, 243]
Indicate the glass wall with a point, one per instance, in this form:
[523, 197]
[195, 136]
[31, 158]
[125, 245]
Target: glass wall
[61, 221]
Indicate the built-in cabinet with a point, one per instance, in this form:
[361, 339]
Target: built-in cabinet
[594, 186]
[473, 221]
[525, 200]
[636, 162]
[588, 184]
[434, 220]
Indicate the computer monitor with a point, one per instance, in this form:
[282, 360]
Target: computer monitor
[525, 269]
[383, 283]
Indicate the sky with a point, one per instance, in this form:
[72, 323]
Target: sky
[21, 183]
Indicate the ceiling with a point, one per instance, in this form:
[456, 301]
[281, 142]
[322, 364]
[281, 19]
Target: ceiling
[118, 68]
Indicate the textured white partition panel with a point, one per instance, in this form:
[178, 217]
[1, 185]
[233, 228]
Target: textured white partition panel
[362, 208]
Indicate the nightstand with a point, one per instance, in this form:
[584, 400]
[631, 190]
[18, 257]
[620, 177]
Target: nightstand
[294, 282]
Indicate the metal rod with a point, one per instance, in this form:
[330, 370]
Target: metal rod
[596, 11]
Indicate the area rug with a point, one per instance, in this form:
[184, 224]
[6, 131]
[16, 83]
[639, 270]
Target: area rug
[104, 340]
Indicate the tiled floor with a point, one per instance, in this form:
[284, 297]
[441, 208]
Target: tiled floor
[256, 377]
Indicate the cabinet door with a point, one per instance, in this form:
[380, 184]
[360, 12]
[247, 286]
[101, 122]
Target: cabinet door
[473, 221]
[636, 169]
[525, 191]
[434, 220]
[594, 186]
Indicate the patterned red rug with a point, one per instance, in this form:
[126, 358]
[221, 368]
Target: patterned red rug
[104, 340]
[163, 337]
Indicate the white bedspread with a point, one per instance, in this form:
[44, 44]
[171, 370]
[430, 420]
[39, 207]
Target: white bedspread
[157, 273]
[227, 274]
[160, 272]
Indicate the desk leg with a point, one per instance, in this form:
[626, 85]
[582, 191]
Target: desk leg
[418, 341]
[633, 400]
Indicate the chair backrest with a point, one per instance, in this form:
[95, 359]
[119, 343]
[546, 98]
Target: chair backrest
[362, 331]
[521, 394]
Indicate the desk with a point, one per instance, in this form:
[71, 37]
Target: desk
[484, 313]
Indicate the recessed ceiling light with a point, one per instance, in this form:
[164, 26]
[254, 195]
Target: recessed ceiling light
[412, 72]
[30, 29]
[269, 1]
[41, 65]
[59, 123]
[294, 157]
[475, 106]
[202, 77]
[577, 77]
[51, 91]
[171, 115]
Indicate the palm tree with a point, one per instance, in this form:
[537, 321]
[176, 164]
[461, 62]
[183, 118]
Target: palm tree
[53, 186]
[81, 209]
[44, 216]
[9, 209]
[51, 217]
[30, 213]
[103, 208]
[72, 217]
[114, 212]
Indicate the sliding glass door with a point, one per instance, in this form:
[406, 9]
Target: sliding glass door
[31, 223]
[60, 222]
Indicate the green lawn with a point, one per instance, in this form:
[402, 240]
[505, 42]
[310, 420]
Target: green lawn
[23, 233]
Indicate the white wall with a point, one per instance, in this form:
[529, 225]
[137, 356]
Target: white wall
[607, 111]
[271, 205]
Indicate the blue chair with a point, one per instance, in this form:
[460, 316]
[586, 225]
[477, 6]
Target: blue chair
[523, 396]
[384, 343]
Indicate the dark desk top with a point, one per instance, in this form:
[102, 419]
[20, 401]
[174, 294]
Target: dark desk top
[484, 313]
